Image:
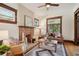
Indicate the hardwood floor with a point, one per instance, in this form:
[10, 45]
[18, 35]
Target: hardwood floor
[70, 47]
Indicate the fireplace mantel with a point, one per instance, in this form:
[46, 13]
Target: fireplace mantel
[26, 26]
[26, 30]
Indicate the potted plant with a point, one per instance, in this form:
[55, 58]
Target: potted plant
[4, 49]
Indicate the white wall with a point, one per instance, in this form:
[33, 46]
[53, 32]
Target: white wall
[75, 8]
[23, 11]
[43, 26]
[12, 28]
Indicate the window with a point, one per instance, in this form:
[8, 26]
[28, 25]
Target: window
[54, 25]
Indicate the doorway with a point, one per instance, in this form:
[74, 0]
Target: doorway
[76, 26]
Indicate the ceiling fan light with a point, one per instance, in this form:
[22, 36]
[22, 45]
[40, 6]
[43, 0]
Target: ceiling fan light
[48, 6]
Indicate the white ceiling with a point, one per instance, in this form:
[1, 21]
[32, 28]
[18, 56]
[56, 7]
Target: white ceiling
[42, 11]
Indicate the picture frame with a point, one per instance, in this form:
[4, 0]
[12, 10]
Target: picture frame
[28, 21]
[36, 22]
[7, 14]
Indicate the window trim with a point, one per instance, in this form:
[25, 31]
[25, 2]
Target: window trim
[57, 17]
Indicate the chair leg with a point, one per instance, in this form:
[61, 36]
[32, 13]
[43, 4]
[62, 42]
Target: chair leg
[55, 47]
[51, 52]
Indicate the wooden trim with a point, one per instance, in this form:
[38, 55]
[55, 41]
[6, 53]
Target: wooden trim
[8, 7]
[68, 41]
[75, 27]
[54, 18]
[75, 24]
[76, 11]
[11, 9]
[25, 26]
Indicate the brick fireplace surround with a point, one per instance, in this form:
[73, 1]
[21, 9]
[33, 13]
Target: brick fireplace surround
[28, 32]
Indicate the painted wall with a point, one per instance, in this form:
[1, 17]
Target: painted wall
[23, 11]
[75, 8]
[11, 28]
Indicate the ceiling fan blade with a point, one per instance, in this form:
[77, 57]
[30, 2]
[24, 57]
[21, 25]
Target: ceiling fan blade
[41, 6]
[54, 4]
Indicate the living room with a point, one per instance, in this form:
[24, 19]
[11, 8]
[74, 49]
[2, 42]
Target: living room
[29, 21]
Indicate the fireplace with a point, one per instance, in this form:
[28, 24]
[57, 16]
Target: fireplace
[28, 33]
[28, 36]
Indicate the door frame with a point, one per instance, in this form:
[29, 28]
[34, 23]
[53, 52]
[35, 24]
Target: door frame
[57, 17]
[75, 25]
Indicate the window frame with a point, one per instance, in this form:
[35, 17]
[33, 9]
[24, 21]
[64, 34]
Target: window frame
[57, 17]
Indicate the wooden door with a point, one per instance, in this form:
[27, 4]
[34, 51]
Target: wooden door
[76, 27]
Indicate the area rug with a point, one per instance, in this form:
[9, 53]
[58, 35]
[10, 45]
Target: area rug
[61, 51]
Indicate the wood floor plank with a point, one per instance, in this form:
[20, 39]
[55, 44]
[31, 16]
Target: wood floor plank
[70, 47]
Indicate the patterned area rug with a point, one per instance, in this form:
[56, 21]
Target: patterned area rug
[61, 51]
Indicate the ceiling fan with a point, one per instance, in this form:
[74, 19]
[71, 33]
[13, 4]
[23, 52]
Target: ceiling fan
[48, 5]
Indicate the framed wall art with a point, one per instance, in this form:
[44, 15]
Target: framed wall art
[36, 22]
[7, 14]
[28, 21]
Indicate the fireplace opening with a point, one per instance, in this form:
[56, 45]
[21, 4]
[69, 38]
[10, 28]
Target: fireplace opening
[28, 36]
